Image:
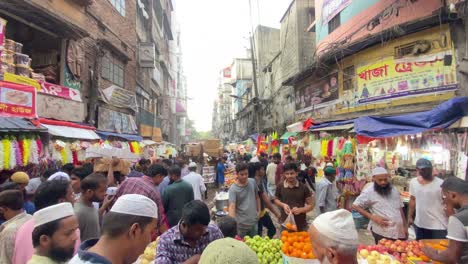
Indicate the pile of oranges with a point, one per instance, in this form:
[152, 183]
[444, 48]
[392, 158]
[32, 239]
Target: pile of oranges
[297, 245]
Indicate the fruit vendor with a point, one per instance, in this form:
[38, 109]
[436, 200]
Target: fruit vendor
[294, 197]
[455, 195]
[334, 238]
[126, 230]
[426, 201]
[382, 199]
[244, 202]
[185, 242]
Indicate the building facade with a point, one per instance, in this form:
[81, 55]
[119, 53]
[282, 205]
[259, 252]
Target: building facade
[380, 58]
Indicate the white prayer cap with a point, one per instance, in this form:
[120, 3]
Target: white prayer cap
[329, 164]
[379, 171]
[59, 176]
[338, 226]
[192, 165]
[135, 204]
[52, 213]
[254, 160]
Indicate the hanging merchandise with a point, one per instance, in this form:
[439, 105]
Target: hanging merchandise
[324, 148]
[19, 151]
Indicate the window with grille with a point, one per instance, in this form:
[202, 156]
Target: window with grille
[349, 76]
[334, 23]
[119, 6]
[113, 70]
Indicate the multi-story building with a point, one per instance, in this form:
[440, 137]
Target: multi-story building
[113, 56]
[382, 58]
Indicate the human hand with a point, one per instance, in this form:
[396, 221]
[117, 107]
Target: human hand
[193, 260]
[296, 211]
[430, 252]
[383, 222]
[410, 222]
[286, 209]
[107, 201]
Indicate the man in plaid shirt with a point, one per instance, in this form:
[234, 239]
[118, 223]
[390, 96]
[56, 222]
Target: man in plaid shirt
[146, 186]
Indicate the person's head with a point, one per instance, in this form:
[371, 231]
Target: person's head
[131, 222]
[242, 171]
[277, 158]
[228, 226]
[167, 163]
[21, 178]
[330, 173]
[289, 159]
[88, 167]
[194, 220]
[53, 192]
[157, 173]
[76, 176]
[49, 172]
[11, 204]
[224, 159]
[68, 168]
[454, 192]
[174, 173]
[144, 164]
[256, 169]
[381, 180]
[334, 237]
[263, 157]
[94, 187]
[424, 168]
[290, 172]
[192, 167]
[54, 233]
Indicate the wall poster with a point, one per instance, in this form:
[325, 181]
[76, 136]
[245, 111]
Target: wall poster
[318, 94]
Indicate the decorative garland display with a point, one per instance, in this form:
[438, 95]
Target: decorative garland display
[19, 151]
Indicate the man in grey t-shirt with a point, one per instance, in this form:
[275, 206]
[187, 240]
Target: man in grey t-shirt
[455, 196]
[244, 203]
[93, 189]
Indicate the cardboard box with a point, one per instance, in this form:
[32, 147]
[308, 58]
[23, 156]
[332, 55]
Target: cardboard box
[211, 144]
[193, 150]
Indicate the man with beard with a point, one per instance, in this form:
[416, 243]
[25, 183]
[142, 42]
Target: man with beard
[54, 234]
[177, 194]
[387, 219]
[335, 238]
[426, 201]
[93, 190]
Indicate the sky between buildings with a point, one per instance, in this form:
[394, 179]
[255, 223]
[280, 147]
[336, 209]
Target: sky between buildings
[213, 32]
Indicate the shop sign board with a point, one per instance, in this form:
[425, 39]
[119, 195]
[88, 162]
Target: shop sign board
[119, 97]
[17, 100]
[114, 121]
[60, 91]
[318, 94]
[389, 78]
[331, 8]
[45, 87]
[54, 107]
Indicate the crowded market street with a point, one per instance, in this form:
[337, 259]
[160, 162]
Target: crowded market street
[233, 132]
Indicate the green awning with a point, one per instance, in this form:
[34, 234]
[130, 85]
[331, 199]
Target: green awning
[287, 135]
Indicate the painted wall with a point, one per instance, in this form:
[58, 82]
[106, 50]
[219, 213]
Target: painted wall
[359, 13]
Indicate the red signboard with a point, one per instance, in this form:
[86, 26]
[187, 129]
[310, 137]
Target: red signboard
[60, 91]
[17, 100]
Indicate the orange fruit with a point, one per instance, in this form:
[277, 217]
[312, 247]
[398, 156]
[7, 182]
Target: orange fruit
[308, 248]
[310, 256]
[304, 255]
[284, 233]
[289, 226]
[294, 227]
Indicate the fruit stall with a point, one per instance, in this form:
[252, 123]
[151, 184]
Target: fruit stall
[395, 252]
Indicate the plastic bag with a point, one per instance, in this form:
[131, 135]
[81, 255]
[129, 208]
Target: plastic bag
[290, 223]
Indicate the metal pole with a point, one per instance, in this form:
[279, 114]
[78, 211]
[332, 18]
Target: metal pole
[254, 75]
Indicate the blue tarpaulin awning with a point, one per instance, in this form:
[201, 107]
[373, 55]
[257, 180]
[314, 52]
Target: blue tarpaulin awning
[104, 135]
[18, 124]
[332, 124]
[442, 116]
[287, 135]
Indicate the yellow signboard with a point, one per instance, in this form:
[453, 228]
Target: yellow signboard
[9, 77]
[388, 78]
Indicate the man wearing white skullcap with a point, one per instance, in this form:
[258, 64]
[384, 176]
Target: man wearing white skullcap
[59, 176]
[382, 199]
[54, 234]
[334, 237]
[126, 231]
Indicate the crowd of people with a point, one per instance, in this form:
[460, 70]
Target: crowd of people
[79, 215]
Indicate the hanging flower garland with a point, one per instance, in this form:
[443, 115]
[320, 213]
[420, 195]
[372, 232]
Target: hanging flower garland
[12, 151]
[26, 151]
[18, 149]
[34, 158]
[2, 157]
[7, 151]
